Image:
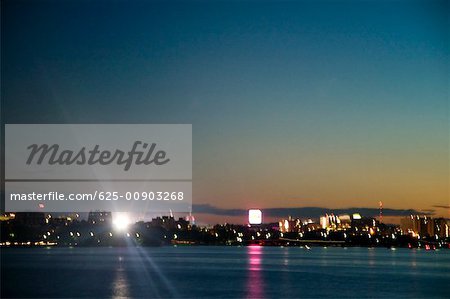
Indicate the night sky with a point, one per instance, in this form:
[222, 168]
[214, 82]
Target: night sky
[331, 104]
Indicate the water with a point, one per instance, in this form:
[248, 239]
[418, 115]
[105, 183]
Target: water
[223, 272]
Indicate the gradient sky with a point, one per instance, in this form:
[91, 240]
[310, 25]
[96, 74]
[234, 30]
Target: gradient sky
[326, 104]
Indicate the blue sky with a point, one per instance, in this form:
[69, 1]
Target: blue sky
[308, 103]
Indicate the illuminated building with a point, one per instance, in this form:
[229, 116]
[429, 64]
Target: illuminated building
[442, 227]
[254, 216]
[100, 217]
[421, 225]
[169, 223]
[311, 226]
[345, 221]
[290, 225]
[333, 222]
[426, 226]
[368, 224]
[7, 216]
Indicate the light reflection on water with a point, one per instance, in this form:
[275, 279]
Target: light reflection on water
[223, 272]
[120, 283]
[255, 283]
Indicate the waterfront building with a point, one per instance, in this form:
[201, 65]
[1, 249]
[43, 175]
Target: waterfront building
[415, 224]
[100, 217]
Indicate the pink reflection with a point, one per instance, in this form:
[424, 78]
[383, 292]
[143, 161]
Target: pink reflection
[255, 284]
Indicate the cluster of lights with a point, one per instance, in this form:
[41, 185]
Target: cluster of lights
[121, 223]
[40, 243]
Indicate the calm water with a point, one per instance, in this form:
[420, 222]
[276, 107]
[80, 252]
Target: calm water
[213, 272]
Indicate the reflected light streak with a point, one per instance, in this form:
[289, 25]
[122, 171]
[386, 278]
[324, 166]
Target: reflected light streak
[255, 282]
[142, 271]
[120, 284]
[153, 267]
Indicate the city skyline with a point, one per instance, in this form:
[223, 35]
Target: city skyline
[114, 229]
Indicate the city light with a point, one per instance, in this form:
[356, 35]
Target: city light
[356, 216]
[412, 232]
[254, 216]
[121, 221]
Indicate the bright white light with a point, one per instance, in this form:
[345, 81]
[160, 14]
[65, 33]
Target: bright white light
[356, 216]
[254, 216]
[121, 222]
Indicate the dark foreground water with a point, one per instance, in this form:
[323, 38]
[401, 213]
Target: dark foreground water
[218, 272]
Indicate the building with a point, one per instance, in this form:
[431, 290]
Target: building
[100, 217]
[30, 218]
[7, 216]
[420, 225]
[442, 227]
[290, 225]
[364, 224]
[333, 222]
[169, 223]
